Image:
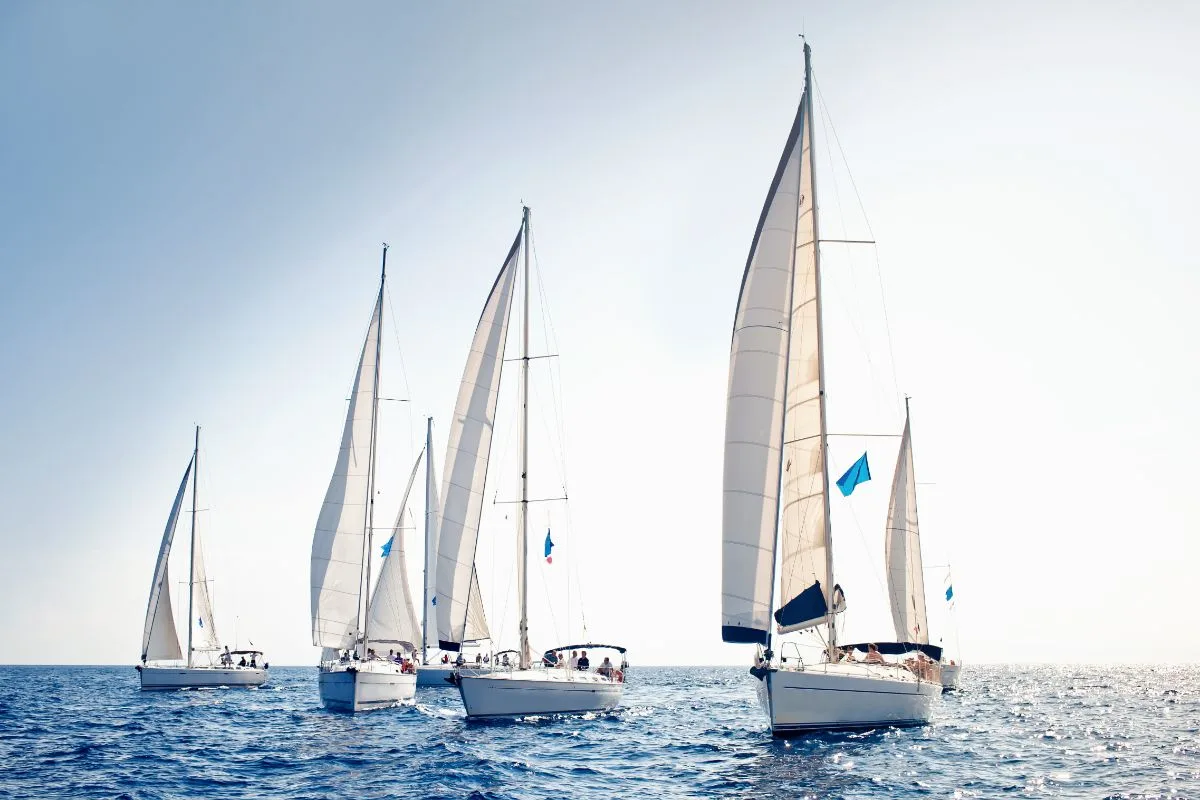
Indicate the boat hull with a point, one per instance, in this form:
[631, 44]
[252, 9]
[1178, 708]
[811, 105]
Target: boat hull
[537, 692]
[844, 697]
[442, 674]
[950, 676]
[163, 679]
[365, 686]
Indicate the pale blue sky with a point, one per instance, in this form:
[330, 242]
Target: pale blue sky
[191, 206]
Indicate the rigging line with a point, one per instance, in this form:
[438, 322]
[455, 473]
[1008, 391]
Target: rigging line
[862, 536]
[867, 221]
[403, 368]
[550, 337]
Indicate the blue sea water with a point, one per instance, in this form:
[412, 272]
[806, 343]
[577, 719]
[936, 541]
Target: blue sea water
[1037, 731]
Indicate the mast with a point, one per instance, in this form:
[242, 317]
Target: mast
[428, 540]
[364, 589]
[192, 554]
[831, 628]
[523, 529]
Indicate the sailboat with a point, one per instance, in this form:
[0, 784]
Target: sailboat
[206, 665]
[951, 666]
[508, 689]
[349, 620]
[905, 571]
[433, 671]
[776, 516]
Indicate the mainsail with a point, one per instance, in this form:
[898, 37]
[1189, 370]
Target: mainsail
[337, 549]
[467, 459]
[902, 550]
[160, 641]
[392, 619]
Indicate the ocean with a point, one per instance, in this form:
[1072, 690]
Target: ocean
[1012, 731]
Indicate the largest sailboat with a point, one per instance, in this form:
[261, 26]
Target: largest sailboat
[524, 688]
[776, 516]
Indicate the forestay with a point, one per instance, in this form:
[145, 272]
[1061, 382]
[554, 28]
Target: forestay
[337, 551]
[392, 619]
[467, 458]
[160, 641]
[902, 550]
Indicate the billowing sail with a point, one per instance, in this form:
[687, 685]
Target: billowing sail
[754, 409]
[392, 619]
[337, 549]
[160, 641]
[902, 551]
[805, 585]
[204, 628]
[477, 627]
[467, 458]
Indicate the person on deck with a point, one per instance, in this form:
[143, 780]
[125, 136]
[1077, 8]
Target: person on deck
[584, 663]
[242, 662]
[606, 667]
[873, 655]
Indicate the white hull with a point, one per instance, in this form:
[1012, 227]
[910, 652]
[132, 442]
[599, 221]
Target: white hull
[950, 675]
[531, 692]
[440, 674]
[365, 686]
[167, 678]
[828, 697]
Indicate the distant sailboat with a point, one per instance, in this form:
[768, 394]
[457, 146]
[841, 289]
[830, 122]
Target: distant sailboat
[523, 688]
[776, 517]
[347, 618]
[434, 671]
[160, 640]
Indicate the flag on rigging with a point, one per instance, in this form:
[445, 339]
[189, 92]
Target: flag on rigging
[549, 547]
[386, 547]
[859, 472]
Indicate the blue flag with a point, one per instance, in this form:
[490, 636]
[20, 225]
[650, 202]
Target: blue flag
[549, 547]
[949, 593]
[859, 472]
[387, 547]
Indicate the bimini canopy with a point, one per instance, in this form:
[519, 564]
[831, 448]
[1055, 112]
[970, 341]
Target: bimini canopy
[592, 645]
[900, 648]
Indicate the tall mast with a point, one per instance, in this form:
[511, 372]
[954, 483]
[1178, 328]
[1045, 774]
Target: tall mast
[192, 555]
[428, 540]
[364, 591]
[523, 529]
[831, 628]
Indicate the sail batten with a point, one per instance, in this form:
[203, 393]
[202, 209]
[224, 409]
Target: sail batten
[467, 455]
[337, 551]
[902, 550]
[160, 640]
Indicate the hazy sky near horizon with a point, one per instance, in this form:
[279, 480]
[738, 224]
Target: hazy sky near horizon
[192, 201]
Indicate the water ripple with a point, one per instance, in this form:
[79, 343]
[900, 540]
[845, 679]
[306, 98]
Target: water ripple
[1113, 732]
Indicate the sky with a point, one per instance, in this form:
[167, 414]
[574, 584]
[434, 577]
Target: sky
[192, 202]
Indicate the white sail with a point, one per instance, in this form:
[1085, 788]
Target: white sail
[433, 516]
[902, 551]
[160, 641]
[204, 627]
[754, 409]
[337, 549]
[467, 458]
[392, 618]
[477, 627]
[805, 583]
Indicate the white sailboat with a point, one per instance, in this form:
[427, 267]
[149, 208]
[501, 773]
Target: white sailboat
[776, 517]
[522, 688]
[951, 662]
[433, 670]
[206, 665]
[347, 618]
